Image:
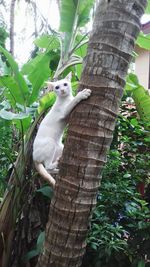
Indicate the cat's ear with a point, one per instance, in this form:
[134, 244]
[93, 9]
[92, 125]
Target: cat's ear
[68, 77]
[50, 86]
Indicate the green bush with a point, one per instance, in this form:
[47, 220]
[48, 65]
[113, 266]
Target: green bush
[120, 228]
[6, 154]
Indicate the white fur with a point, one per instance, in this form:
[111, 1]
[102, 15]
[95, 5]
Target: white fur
[47, 146]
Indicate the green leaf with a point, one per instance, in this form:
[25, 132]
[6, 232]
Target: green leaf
[15, 95]
[84, 12]
[68, 13]
[40, 241]
[133, 79]
[24, 91]
[10, 59]
[134, 122]
[38, 71]
[141, 97]
[141, 263]
[143, 41]
[127, 175]
[142, 101]
[147, 11]
[74, 13]
[39, 246]
[46, 191]
[49, 42]
[8, 115]
[24, 124]
[94, 245]
[46, 101]
[31, 254]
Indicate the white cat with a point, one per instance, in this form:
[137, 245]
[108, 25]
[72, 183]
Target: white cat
[47, 146]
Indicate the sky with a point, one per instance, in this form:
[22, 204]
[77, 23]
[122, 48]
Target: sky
[24, 26]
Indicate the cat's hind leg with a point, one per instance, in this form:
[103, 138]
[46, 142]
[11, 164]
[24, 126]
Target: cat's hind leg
[50, 165]
[58, 152]
[53, 166]
[49, 162]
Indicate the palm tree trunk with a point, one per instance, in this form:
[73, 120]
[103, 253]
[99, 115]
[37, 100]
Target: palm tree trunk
[12, 22]
[91, 126]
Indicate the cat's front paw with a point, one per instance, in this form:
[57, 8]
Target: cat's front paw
[85, 93]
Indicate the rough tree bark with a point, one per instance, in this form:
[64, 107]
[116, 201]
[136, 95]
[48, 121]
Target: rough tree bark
[91, 125]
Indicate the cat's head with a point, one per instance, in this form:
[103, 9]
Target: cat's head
[62, 88]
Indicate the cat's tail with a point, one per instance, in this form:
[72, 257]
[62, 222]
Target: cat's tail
[44, 173]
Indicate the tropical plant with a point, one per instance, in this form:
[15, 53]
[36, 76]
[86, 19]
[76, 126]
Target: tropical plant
[140, 96]
[76, 14]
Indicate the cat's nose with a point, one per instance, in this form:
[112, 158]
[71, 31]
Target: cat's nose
[63, 91]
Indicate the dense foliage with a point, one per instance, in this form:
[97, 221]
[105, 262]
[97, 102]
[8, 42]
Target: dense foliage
[120, 229]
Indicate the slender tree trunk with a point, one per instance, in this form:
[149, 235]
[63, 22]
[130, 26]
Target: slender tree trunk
[12, 22]
[58, 3]
[91, 126]
[35, 18]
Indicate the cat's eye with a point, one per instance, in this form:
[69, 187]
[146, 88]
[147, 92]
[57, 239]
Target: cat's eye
[65, 84]
[57, 87]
